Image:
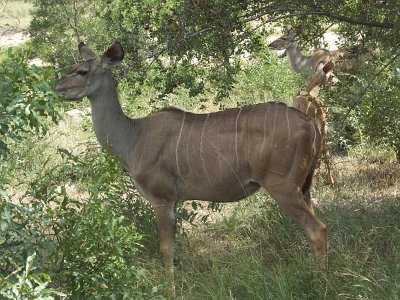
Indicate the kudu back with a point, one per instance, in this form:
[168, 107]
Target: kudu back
[223, 156]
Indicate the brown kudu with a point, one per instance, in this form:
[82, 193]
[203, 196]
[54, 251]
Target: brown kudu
[306, 65]
[223, 156]
[314, 108]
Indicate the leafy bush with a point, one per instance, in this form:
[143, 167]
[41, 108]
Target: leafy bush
[23, 284]
[380, 109]
[27, 98]
[27, 102]
[267, 78]
[366, 109]
[80, 218]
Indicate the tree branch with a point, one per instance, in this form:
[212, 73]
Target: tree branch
[282, 14]
[350, 20]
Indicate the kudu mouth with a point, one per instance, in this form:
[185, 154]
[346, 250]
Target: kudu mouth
[272, 46]
[63, 91]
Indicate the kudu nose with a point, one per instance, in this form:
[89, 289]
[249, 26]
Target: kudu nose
[58, 86]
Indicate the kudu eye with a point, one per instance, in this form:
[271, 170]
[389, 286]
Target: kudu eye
[82, 72]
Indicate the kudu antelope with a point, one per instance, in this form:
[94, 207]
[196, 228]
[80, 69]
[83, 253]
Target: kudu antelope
[306, 65]
[314, 108]
[223, 156]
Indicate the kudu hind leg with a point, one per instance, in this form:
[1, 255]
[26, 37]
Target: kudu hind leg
[306, 190]
[292, 202]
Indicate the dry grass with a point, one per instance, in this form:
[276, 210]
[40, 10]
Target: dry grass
[361, 177]
[251, 250]
[14, 21]
[15, 14]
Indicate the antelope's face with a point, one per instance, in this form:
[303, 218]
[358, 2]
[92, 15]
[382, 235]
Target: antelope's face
[88, 77]
[81, 80]
[323, 75]
[284, 42]
[330, 79]
[279, 44]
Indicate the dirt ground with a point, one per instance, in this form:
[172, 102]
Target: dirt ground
[12, 36]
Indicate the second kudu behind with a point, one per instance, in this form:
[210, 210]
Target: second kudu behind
[306, 65]
[314, 108]
[223, 156]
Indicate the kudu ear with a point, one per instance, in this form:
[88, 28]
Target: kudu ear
[113, 55]
[328, 67]
[299, 29]
[85, 52]
[292, 32]
[324, 67]
[288, 28]
[329, 75]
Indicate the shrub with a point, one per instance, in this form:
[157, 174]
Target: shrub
[27, 98]
[23, 284]
[77, 217]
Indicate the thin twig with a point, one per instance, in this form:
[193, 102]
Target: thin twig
[13, 273]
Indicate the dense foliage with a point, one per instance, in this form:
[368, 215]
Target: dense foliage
[196, 43]
[71, 224]
[27, 98]
[79, 227]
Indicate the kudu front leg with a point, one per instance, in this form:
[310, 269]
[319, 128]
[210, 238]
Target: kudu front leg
[328, 163]
[165, 216]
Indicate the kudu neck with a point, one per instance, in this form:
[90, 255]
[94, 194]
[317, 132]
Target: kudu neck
[313, 87]
[112, 127]
[296, 58]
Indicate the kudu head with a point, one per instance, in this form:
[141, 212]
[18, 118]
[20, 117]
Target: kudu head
[284, 41]
[79, 82]
[323, 76]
